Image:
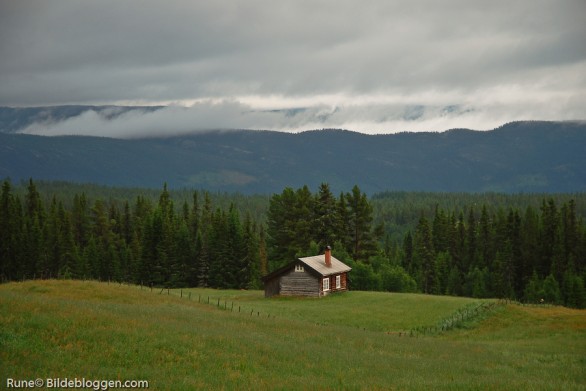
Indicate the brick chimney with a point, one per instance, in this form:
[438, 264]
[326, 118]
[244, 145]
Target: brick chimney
[328, 256]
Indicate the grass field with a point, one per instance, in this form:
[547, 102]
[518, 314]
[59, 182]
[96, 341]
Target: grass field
[91, 330]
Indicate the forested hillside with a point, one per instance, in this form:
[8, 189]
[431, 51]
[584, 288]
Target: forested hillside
[528, 247]
[517, 157]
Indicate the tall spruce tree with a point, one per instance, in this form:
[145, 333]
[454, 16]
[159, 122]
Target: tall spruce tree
[326, 217]
[363, 244]
[424, 257]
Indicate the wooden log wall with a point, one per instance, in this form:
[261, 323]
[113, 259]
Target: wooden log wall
[299, 284]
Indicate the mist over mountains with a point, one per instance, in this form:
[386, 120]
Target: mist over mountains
[531, 156]
[16, 119]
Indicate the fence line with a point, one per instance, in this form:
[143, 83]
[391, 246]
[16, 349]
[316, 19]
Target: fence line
[215, 302]
[458, 318]
[179, 295]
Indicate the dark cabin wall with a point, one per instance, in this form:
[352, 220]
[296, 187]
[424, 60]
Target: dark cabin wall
[294, 283]
[272, 287]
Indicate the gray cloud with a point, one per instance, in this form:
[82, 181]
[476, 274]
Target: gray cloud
[519, 58]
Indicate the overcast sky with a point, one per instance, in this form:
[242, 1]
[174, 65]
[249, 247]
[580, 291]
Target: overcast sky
[372, 66]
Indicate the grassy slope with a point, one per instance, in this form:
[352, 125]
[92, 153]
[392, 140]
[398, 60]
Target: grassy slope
[99, 331]
[375, 311]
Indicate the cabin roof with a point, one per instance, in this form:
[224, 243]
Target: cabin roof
[318, 263]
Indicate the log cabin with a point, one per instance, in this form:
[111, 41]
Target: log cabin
[314, 276]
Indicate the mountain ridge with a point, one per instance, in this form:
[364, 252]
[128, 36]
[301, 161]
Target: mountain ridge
[523, 156]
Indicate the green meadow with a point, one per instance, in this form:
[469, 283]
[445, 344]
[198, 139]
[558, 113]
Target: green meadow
[239, 340]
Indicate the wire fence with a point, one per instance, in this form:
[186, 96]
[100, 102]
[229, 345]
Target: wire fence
[457, 319]
[217, 302]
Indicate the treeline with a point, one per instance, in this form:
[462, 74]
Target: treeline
[532, 255]
[487, 245]
[400, 210]
[476, 251]
[255, 205]
[152, 243]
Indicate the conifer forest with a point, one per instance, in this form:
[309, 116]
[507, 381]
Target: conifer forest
[526, 247]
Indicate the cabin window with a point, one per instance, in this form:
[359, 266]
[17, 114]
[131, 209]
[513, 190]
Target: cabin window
[338, 282]
[326, 284]
[299, 268]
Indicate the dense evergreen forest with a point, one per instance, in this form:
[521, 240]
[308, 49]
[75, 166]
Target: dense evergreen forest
[529, 247]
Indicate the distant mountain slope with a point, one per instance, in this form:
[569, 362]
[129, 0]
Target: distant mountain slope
[517, 157]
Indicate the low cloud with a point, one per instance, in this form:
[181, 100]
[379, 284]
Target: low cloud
[366, 114]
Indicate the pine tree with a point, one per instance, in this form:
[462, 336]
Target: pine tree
[471, 259]
[203, 244]
[443, 266]
[220, 276]
[326, 217]
[424, 257]
[551, 290]
[281, 228]
[237, 265]
[8, 267]
[408, 251]
[92, 258]
[476, 283]
[503, 273]
[80, 220]
[203, 264]
[569, 234]
[514, 238]
[251, 275]
[573, 290]
[529, 245]
[343, 231]
[184, 254]
[485, 250]
[52, 234]
[194, 216]
[34, 205]
[362, 244]
[304, 220]
[69, 258]
[440, 224]
[548, 237]
[534, 292]
[33, 250]
[262, 252]
[458, 252]
[126, 227]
